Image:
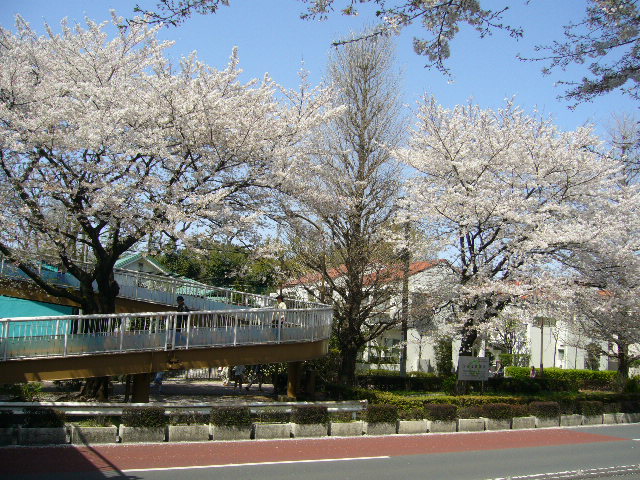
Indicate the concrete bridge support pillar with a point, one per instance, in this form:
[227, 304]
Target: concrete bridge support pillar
[140, 387]
[294, 374]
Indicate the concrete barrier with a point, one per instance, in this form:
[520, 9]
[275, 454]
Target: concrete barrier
[542, 422]
[267, 431]
[592, 420]
[471, 424]
[309, 430]
[346, 429]
[380, 428]
[570, 420]
[497, 424]
[442, 426]
[230, 433]
[42, 436]
[412, 426]
[92, 435]
[188, 433]
[141, 434]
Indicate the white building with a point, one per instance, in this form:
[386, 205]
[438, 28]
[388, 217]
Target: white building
[553, 345]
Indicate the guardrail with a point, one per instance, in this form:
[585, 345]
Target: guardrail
[82, 409]
[74, 335]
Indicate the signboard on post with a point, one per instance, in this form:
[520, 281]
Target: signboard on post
[473, 368]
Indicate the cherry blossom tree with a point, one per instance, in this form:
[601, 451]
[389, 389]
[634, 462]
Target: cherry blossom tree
[105, 141]
[508, 191]
[607, 39]
[441, 19]
[604, 307]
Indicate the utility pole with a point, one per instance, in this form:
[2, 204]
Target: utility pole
[405, 300]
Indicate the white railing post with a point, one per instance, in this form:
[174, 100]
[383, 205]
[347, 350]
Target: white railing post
[166, 332]
[5, 338]
[279, 326]
[313, 326]
[122, 326]
[66, 339]
[235, 329]
[188, 329]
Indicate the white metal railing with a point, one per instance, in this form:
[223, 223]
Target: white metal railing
[162, 289]
[73, 335]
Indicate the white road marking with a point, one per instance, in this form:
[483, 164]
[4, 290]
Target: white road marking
[577, 474]
[227, 465]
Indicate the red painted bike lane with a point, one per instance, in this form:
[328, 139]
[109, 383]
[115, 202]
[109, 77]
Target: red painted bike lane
[120, 457]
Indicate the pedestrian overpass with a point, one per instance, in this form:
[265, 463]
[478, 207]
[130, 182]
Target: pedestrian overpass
[228, 328]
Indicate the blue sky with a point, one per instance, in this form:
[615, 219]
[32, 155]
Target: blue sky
[271, 38]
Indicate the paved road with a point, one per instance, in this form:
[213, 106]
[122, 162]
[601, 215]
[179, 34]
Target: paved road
[464, 456]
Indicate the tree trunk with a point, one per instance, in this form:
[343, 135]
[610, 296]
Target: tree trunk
[101, 302]
[469, 336]
[95, 388]
[349, 357]
[623, 360]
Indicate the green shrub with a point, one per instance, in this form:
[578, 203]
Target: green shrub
[7, 419]
[591, 407]
[444, 356]
[95, 421]
[146, 417]
[273, 415]
[26, 392]
[310, 414]
[630, 406]
[568, 406]
[474, 411]
[188, 418]
[514, 359]
[382, 413]
[449, 385]
[40, 417]
[437, 411]
[519, 410]
[576, 379]
[544, 409]
[239, 417]
[411, 414]
[612, 407]
[632, 385]
[497, 411]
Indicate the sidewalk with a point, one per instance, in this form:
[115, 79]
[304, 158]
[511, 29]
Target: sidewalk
[181, 391]
[176, 391]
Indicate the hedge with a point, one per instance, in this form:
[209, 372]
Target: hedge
[381, 413]
[147, 417]
[437, 411]
[498, 411]
[529, 386]
[43, 417]
[544, 409]
[577, 379]
[273, 415]
[310, 414]
[239, 417]
[591, 407]
[420, 383]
